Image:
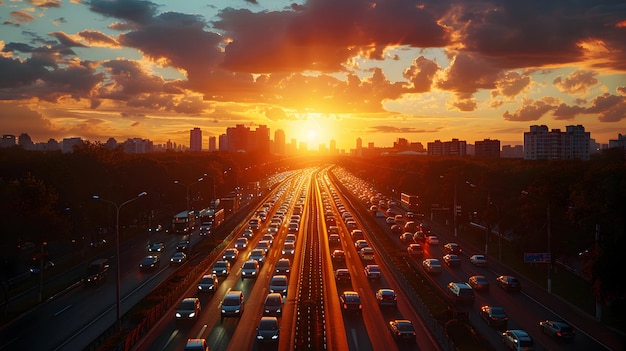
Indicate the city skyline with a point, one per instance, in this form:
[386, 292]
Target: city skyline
[379, 71]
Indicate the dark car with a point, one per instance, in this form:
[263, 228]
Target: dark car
[157, 247]
[268, 329]
[342, 275]
[257, 255]
[178, 258]
[283, 266]
[350, 301]
[273, 305]
[189, 308]
[208, 283]
[495, 316]
[508, 283]
[338, 255]
[402, 329]
[517, 339]
[478, 282]
[196, 345]
[452, 260]
[558, 329]
[97, 271]
[149, 263]
[230, 255]
[452, 248]
[334, 240]
[182, 246]
[221, 268]
[386, 297]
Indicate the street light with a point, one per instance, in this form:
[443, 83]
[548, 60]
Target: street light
[187, 188]
[117, 246]
[549, 232]
[454, 210]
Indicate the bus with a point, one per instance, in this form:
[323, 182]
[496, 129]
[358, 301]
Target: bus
[409, 202]
[184, 222]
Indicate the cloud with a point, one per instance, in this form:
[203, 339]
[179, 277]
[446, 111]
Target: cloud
[98, 38]
[277, 114]
[18, 119]
[138, 11]
[421, 74]
[66, 40]
[394, 129]
[46, 3]
[579, 82]
[564, 112]
[20, 17]
[510, 84]
[468, 73]
[610, 108]
[531, 110]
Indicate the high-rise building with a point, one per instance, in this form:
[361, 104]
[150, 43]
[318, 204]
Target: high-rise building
[195, 139]
[487, 148]
[512, 151]
[8, 140]
[68, 144]
[25, 142]
[333, 146]
[279, 142]
[455, 147]
[620, 142]
[212, 143]
[541, 144]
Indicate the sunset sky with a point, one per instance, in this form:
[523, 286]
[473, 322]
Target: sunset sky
[318, 69]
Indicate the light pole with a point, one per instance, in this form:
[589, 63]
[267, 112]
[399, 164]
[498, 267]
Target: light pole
[486, 215]
[41, 268]
[454, 210]
[117, 247]
[187, 186]
[549, 232]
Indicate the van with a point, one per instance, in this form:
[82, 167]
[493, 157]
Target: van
[97, 271]
[461, 292]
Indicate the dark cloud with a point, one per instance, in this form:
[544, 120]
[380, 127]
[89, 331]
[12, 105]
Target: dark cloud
[469, 73]
[531, 110]
[95, 37]
[510, 84]
[128, 80]
[610, 108]
[139, 11]
[578, 82]
[421, 74]
[564, 112]
[66, 40]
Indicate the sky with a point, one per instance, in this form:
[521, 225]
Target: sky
[318, 69]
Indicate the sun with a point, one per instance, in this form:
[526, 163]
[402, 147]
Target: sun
[312, 136]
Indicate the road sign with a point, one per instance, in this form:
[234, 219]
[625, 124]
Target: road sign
[537, 257]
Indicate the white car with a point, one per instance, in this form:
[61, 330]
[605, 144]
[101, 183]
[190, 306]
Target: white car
[478, 260]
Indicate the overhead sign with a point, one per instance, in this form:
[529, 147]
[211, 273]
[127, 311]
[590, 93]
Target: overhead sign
[537, 257]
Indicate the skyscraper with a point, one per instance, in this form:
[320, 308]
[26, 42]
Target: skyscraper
[195, 139]
[279, 142]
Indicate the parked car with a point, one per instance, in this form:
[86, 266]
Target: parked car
[268, 329]
[478, 282]
[273, 305]
[350, 301]
[432, 265]
[559, 330]
[402, 329]
[221, 268]
[452, 248]
[149, 263]
[386, 297]
[478, 260]
[189, 308]
[208, 283]
[508, 283]
[495, 316]
[233, 304]
[178, 258]
[518, 339]
[452, 260]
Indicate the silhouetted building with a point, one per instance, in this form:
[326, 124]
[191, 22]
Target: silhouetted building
[541, 144]
[8, 140]
[25, 142]
[620, 142]
[455, 147]
[279, 142]
[512, 151]
[487, 148]
[195, 139]
[68, 144]
[212, 143]
[111, 144]
[333, 146]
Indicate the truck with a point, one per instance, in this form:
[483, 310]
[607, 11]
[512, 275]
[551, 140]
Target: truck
[97, 271]
[409, 202]
[184, 222]
[210, 218]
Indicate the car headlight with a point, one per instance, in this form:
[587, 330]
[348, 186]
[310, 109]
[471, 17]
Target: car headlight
[236, 311]
[178, 315]
[192, 314]
[274, 337]
[223, 311]
[259, 337]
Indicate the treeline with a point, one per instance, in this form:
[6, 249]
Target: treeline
[516, 197]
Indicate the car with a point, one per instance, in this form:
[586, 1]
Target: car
[342, 275]
[478, 282]
[233, 304]
[257, 255]
[558, 329]
[415, 250]
[178, 258]
[273, 228]
[97, 271]
[273, 305]
[289, 248]
[338, 255]
[390, 221]
[156, 247]
[452, 260]
[367, 254]
[357, 234]
[406, 237]
[250, 269]
[411, 226]
[518, 339]
[452, 248]
[332, 229]
[432, 265]
[189, 308]
[248, 233]
[241, 243]
[149, 263]
[230, 255]
[183, 246]
[402, 329]
[495, 316]
[196, 345]
[221, 268]
[293, 227]
[386, 297]
[432, 240]
[268, 329]
[208, 283]
[263, 245]
[290, 238]
[279, 284]
[283, 266]
[350, 301]
[396, 229]
[508, 283]
[269, 238]
[334, 240]
[372, 271]
[478, 260]
[460, 292]
[359, 244]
